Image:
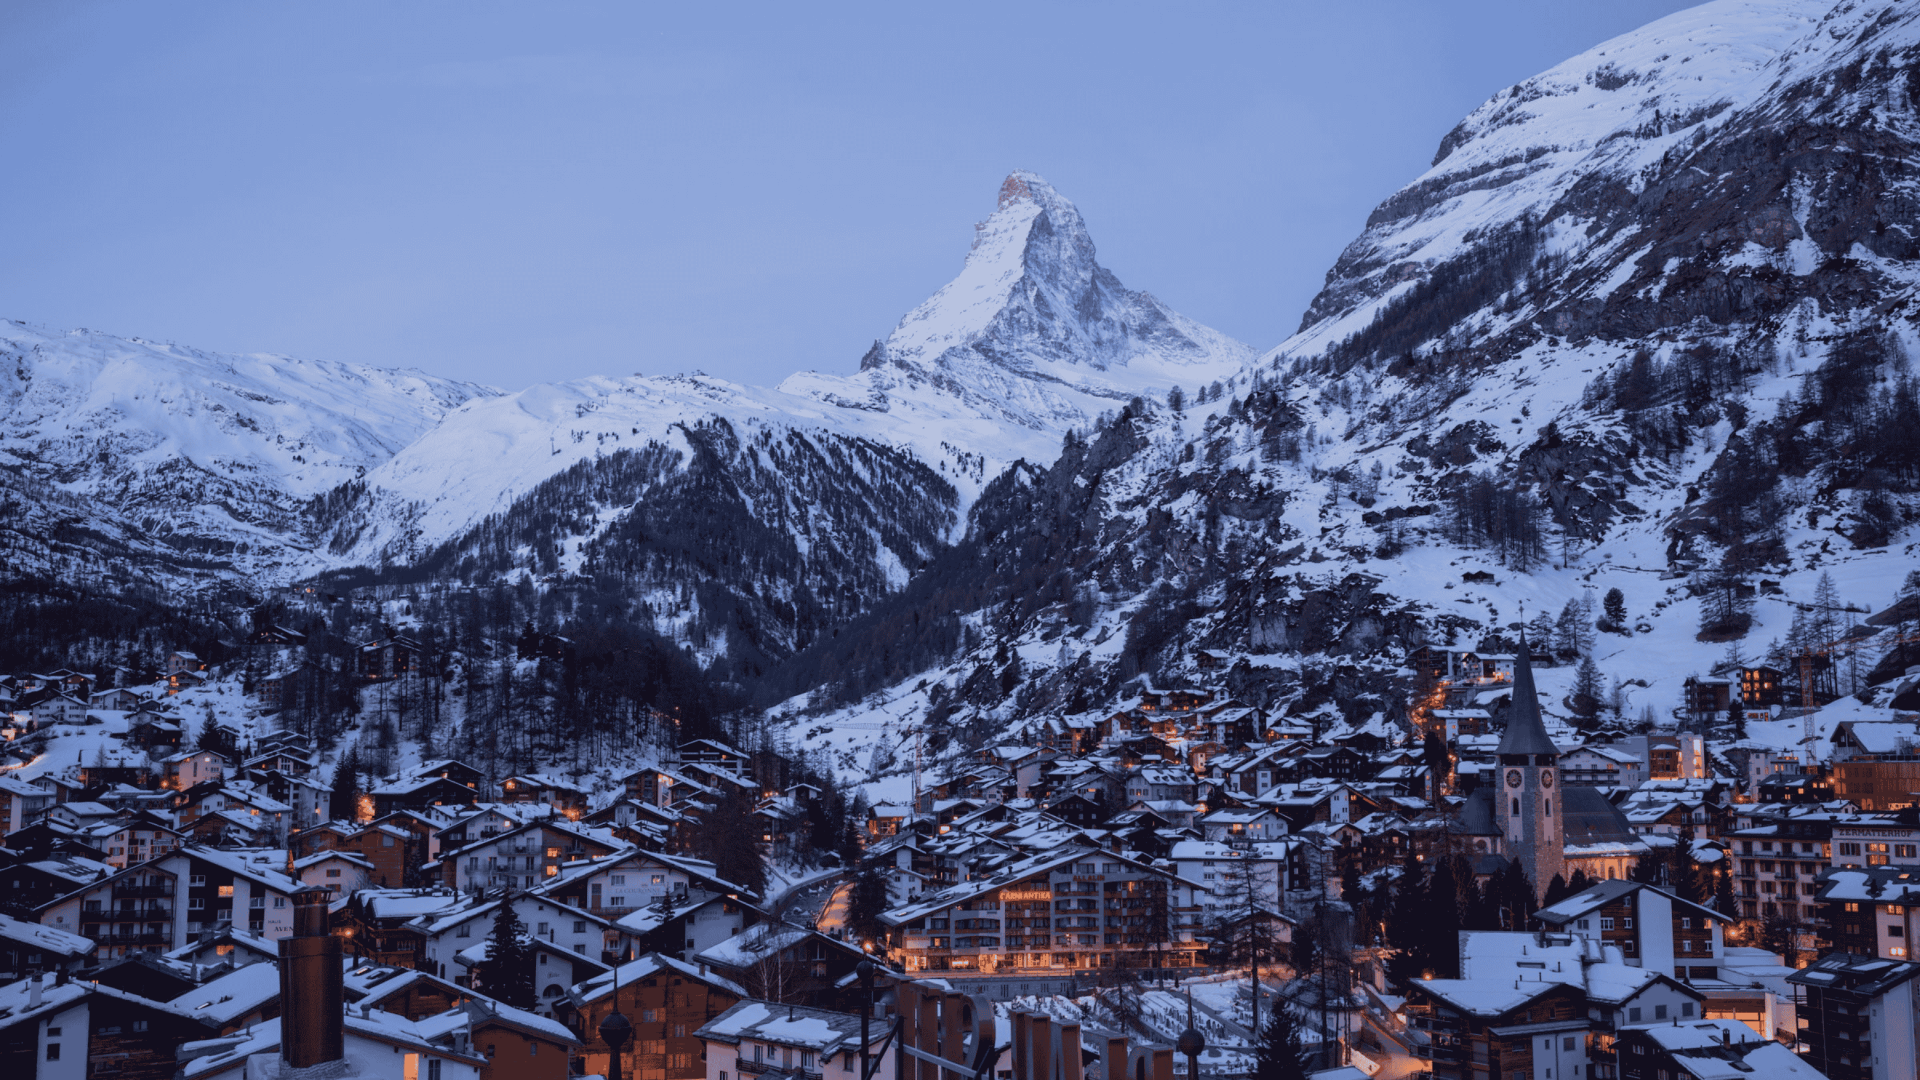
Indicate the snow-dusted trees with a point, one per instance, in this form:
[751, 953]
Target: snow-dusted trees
[1498, 516]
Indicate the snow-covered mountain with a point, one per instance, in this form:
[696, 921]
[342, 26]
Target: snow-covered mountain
[180, 455]
[1033, 338]
[1034, 331]
[1645, 324]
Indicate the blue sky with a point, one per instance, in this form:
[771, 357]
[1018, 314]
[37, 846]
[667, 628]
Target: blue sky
[515, 193]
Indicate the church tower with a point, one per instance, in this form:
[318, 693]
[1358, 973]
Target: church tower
[1526, 796]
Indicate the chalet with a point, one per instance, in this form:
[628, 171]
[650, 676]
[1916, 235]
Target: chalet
[753, 1038]
[27, 948]
[229, 947]
[1763, 687]
[568, 798]
[385, 926]
[448, 938]
[1233, 825]
[289, 687]
[388, 658]
[614, 887]
[519, 858]
[335, 871]
[1091, 909]
[1706, 696]
[118, 699]
[422, 793]
[1720, 1047]
[136, 838]
[785, 963]
[1651, 927]
[48, 1022]
[1856, 1017]
[21, 804]
[415, 995]
[712, 754]
[1599, 765]
[280, 636]
[679, 996]
[685, 925]
[154, 733]
[542, 1046]
[1510, 1027]
[161, 903]
[183, 663]
[1211, 659]
[1154, 782]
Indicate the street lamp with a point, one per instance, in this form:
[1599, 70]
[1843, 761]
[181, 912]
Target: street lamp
[615, 1030]
[1190, 1043]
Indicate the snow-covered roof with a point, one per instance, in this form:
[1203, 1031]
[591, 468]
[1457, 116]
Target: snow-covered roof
[599, 986]
[44, 938]
[818, 1030]
[233, 995]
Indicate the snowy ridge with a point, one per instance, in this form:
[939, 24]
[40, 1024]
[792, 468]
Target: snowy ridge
[1032, 339]
[210, 450]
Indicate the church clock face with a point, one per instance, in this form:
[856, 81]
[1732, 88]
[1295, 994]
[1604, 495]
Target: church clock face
[1546, 779]
[1513, 777]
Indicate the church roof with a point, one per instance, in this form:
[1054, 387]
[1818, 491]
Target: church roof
[1589, 818]
[1526, 733]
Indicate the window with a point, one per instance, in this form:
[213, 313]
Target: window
[226, 890]
[579, 926]
[1686, 1009]
[53, 1051]
[279, 901]
[659, 878]
[257, 902]
[1606, 924]
[619, 879]
[465, 930]
[1629, 922]
[333, 873]
[1659, 1012]
[197, 879]
[1567, 1043]
[1633, 1015]
[433, 1069]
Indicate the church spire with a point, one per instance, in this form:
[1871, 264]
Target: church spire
[1526, 733]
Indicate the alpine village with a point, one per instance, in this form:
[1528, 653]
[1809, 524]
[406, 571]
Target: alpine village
[1512, 675]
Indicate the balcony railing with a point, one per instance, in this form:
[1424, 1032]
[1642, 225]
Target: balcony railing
[164, 888]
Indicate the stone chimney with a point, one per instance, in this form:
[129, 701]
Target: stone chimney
[311, 994]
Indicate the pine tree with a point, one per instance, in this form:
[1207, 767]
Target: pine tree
[1540, 633]
[1566, 632]
[1281, 1054]
[1723, 900]
[343, 803]
[1408, 925]
[1615, 607]
[1557, 890]
[729, 836]
[1736, 714]
[507, 972]
[866, 900]
[1586, 685]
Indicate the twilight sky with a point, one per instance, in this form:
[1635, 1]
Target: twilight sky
[516, 193]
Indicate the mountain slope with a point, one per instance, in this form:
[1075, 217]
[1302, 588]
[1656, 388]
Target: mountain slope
[1645, 325]
[746, 522]
[179, 453]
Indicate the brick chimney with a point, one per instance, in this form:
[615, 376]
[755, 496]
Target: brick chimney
[311, 995]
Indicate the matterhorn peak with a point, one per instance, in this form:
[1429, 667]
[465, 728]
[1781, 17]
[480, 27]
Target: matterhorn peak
[1036, 331]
